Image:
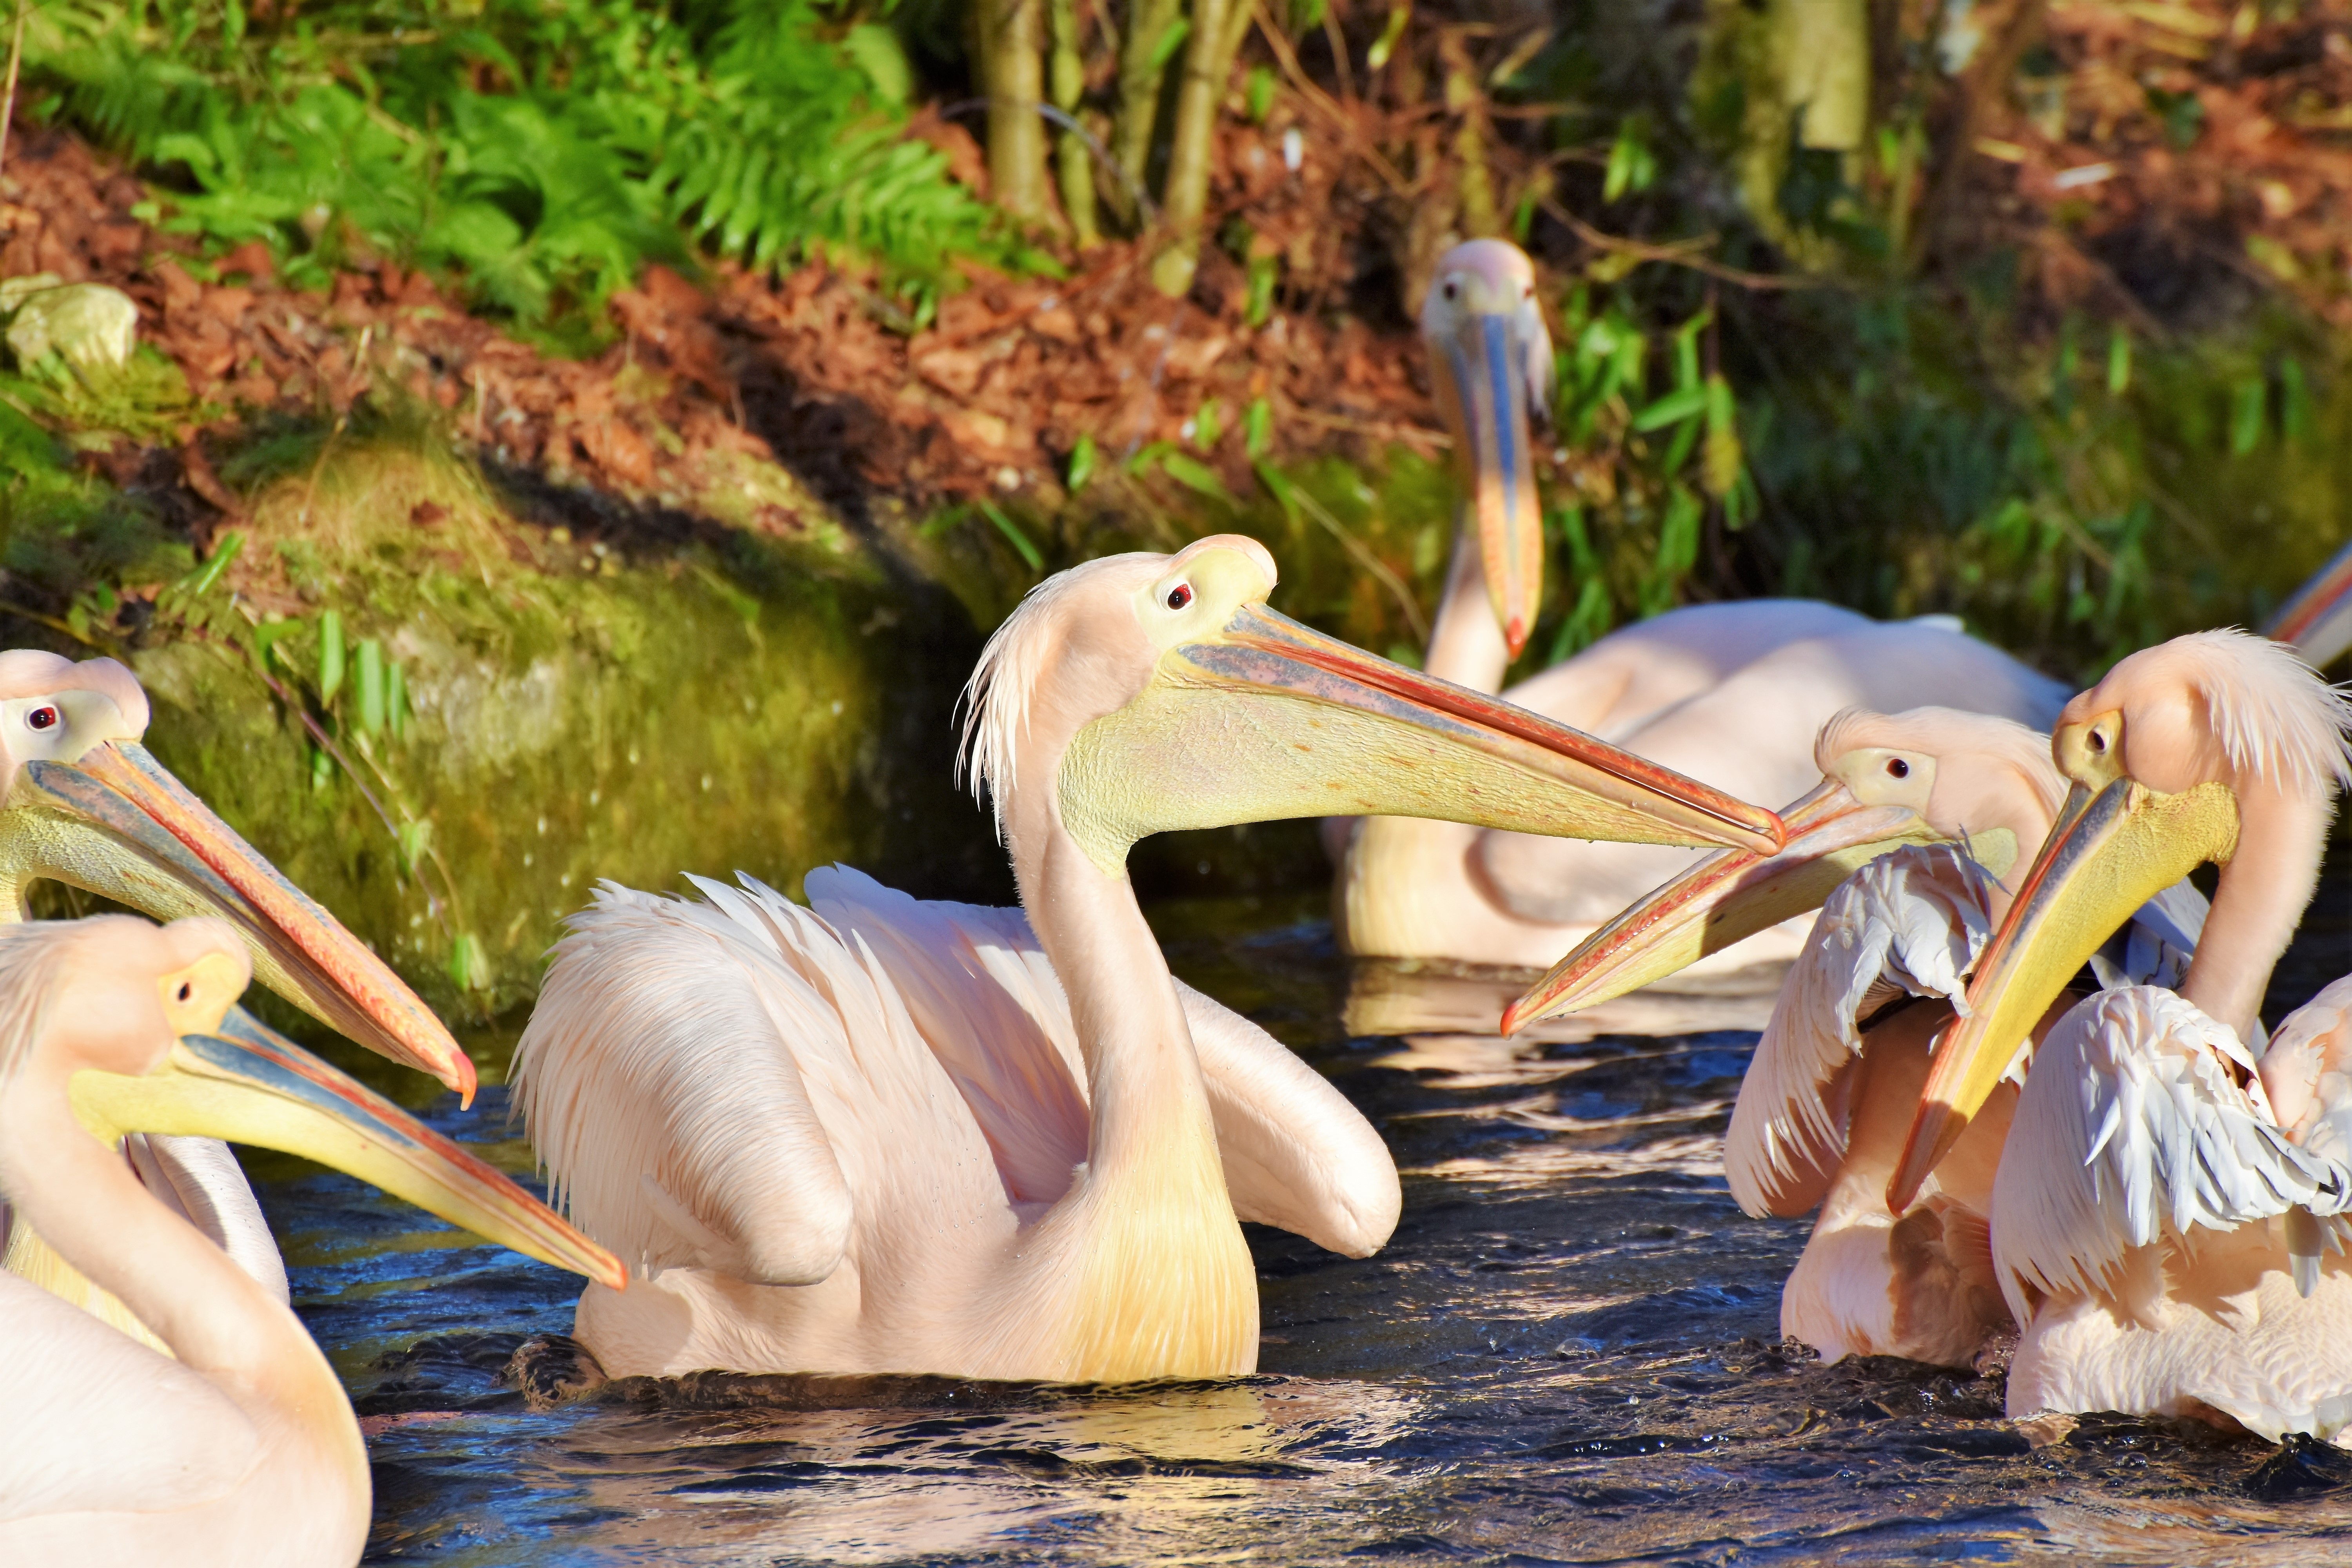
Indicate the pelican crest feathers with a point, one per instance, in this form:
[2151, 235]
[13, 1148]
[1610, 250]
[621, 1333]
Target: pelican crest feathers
[2272, 714]
[996, 698]
[33, 959]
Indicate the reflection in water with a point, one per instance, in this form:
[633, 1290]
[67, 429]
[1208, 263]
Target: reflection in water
[1431, 997]
[1568, 1353]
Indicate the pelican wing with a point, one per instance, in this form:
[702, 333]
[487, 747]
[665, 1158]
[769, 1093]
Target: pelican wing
[2306, 1073]
[664, 1077]
[2133, 1126]
[1295, 1153]
[201, 1181]
[1908, 923]
[92, 1421]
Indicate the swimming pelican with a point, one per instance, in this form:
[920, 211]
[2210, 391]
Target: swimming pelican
[1005, 1142]
[1729, 694]
[237, 1449]
[2162, 1208]
[83, 801]
[1903, 846]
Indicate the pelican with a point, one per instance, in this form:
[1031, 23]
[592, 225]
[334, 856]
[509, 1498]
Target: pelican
[236, 1449]
[878, 1134]
[1727, 694]
[83, 801]
[1911, 845]
[2163, 1219]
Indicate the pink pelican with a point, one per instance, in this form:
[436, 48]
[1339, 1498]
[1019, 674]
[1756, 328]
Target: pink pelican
[235, 1447]
[1912, 845]
[85, 803]
[884, 1135]
[2316, 619]
[1728, 694]
[2163, 1221]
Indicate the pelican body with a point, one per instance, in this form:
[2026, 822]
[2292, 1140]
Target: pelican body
[83, 801]
[232, 1445]
[2166, 1220]
[878, 1134]
[1727, 694]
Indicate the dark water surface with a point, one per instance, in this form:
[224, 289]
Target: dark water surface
[1568, 1353]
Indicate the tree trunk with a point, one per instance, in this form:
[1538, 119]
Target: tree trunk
[1217, 29]
[1075, 161]
[1012, 61]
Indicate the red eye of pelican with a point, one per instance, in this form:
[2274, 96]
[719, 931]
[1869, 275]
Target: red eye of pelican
[42, 718]
[1898, 768]
[1180, 596]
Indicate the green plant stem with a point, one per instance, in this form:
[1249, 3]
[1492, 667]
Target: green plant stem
[1139, 72]
[1217, 29]
[1073, 160]
[9, 97]
[1011, 54]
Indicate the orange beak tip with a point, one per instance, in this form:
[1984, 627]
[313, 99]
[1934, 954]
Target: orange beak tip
[1516, 634]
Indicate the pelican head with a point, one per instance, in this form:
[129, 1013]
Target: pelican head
[1140, 694]
[1930, 776]
[82, 801]
[132, 1024]
[1491, 358]
[2218, 747]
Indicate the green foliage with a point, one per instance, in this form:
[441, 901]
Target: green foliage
[538, 152]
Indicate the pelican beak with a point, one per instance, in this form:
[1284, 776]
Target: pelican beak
[2317, 621]
[1735, 893]
[1266, 719]
[250, 1085]
[2110, 850]
[117, 822]
[1482, 390]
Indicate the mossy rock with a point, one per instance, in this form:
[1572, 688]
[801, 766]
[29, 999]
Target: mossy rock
[631, 710]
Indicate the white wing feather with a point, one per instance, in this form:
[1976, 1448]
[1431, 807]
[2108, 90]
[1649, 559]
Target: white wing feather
[725, 1083]
[1908, 923]
[2133, 1126]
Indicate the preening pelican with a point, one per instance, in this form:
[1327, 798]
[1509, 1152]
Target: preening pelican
[1728, 694]
[238, 1449]
[1005, 1142]
[1912, 845]
[86, 803]
[2162, 1219]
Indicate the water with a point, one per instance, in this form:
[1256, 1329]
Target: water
[1568, 1353]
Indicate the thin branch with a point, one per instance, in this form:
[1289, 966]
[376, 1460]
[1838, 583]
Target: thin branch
[1323, 102]
[1680, 254]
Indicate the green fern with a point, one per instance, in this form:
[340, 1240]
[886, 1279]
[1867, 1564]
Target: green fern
[535, 152]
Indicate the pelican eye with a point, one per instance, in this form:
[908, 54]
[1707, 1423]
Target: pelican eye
[186, 991]
[1180, 596]
[44, 717]
[1452, 290]
[2096, 742]
[1896, 768]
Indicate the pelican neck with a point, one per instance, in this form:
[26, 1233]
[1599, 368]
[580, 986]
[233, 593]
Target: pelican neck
[2258, 901]
[1465, 644]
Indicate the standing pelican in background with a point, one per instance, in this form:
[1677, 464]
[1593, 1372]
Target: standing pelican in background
[1728, 694]
[2161, 1219]
[1934, 812]
[83, 801]
[1006, 1142]
[235, 1447]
